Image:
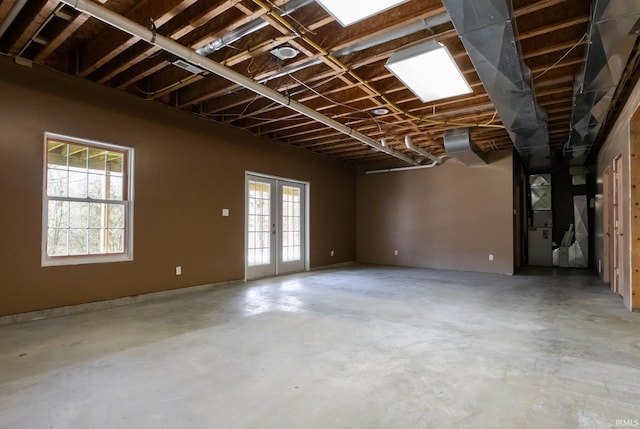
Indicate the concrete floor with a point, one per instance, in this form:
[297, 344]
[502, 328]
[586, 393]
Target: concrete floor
[364, 347]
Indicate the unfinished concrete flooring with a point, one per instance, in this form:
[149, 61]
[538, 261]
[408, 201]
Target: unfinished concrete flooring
[364, 347]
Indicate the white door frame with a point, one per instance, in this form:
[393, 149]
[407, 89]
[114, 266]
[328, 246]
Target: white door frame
[307, 192]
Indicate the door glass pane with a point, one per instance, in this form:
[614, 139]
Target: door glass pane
[291, 245]
[259, 224]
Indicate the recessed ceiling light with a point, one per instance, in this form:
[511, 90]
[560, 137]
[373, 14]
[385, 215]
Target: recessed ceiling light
[380, 111]
[346, 12]
[285, 52]
[429, 71]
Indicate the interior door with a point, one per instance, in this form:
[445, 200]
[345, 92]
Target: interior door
[276, 227]
[618, 246]
[606, 226]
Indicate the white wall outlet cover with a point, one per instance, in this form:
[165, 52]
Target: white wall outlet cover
[395, 252]
[225, 212]
[491, 256]
[178, 271]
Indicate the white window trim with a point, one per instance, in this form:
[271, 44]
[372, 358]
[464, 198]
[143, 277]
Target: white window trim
[127, 255]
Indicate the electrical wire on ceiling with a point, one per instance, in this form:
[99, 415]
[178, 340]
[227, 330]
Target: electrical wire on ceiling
[495, 113]
[300, 25]
[552, 66]
[360, 80]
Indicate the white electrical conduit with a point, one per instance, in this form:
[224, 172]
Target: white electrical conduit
[169, 45]
[13, 13]
[411, 146]
[415, 167]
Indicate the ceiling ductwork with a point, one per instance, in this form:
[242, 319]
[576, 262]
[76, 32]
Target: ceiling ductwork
[486, 28]
[193, 58]
[377, 40]
[250, 27]
[612, 34]
[458, 144]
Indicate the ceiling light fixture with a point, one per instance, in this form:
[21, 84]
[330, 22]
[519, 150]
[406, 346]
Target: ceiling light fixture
[285, 52]
[429, 71]
[347, 12]
[380, 111]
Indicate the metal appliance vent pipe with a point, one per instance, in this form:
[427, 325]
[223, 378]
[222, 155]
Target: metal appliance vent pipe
[411, 146]
[169, 45]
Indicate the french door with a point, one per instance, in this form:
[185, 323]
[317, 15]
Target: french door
[276, 227]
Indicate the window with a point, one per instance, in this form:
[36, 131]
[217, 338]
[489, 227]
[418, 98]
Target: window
[291, 216]
[259, 223]
[87, 202]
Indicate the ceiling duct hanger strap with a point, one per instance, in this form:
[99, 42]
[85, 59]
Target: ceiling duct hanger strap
[153, 29]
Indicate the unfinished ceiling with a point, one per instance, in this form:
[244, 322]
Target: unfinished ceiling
[300, 53]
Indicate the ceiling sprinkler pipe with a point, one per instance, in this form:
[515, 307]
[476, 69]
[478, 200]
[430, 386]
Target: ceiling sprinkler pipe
[171, 46]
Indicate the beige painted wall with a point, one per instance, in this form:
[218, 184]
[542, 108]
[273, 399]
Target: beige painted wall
[186, 171]
[448, 217]
[617, 143]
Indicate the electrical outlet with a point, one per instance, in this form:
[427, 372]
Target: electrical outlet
[178, 270]
[225, 212]
[395, 252]
[491, 256]
[332, 252]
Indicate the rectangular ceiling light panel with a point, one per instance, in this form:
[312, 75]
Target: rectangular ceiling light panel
[429, 71]
[346, 12]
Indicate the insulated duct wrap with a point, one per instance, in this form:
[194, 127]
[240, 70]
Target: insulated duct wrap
[487, 32]
[612, 34]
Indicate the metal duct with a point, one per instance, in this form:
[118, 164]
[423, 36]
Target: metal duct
[387, 36]
[486, 28]
[171, 46]
[249, 28]
[612, 34]
[458, 144]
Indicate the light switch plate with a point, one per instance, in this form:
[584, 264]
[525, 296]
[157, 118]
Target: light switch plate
[225, 212]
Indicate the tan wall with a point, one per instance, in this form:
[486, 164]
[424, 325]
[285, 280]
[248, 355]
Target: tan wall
[618, 142]
[186, 171]
[448, 217]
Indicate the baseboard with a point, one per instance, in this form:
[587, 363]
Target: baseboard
[101, 305]
[333, 266]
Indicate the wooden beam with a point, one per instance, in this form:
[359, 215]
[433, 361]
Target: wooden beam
[553, 27]
[33, 27]
[186, 30]
[112, 42]
[5, 8]
[71, 27]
